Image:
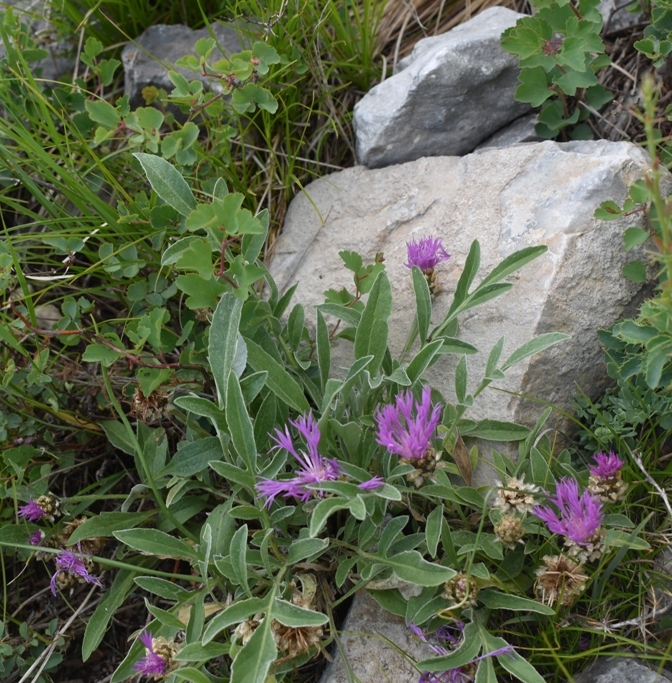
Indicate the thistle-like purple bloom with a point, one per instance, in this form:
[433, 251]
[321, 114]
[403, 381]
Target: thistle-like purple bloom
[371, 484]
[443, 634]
[426, 254]
[314, 469]
[606, 466]
[580, 516]
[406, 428]
[31, 511]
[151, 664]
[68, 563]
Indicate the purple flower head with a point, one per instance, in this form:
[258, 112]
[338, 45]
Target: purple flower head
[151, 664]
[426, 254]
[36, 538]
[580, 516]
[606, 466]
[403, 433]
[68, 563]
[313, 468]
[371, 484]
[31, 511]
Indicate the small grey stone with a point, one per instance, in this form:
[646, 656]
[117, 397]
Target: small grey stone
[146, 59]
[450, 94]
[621, 670]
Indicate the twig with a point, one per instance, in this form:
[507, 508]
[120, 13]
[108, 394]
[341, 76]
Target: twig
[43, 658]
[641, 620]
[650, 480]
[594, 112]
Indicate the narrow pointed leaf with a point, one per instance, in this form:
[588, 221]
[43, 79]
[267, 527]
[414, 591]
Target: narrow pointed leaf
[167, 182]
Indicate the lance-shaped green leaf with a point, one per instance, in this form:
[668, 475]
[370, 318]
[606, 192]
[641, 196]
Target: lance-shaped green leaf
[496, 600]
[371, 335]
[155, 542]
[279, 381]
[238, 554]
[467, 651]
[167, 182]
[297, 617]
[254, 660]
[323, 346]
[122, 585]
[240, 424]
[224, 341]
[106, 523]
[235, 613]
[536, 345]
[409, 565]
[423, 304]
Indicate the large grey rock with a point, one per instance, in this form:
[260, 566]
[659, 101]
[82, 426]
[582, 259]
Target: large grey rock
[146, 59]
[621, 670]
[538, 193]
[369, 657]
[453, 92]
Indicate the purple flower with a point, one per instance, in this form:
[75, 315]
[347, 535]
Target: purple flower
[36, 538]
[606, 465]
[151, 664]
[580, 516]
[426, 253]
[371, 484]
[68, 563]
[403, 433]
[32, 511]
[314, 469]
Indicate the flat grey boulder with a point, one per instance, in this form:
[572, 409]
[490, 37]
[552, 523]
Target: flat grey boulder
[508, 199]
[451, 93]
[148, 58]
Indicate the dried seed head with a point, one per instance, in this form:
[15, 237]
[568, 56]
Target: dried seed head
[295, 641]
[559, 578]
[461, 590]
[150, 408]
[424, 467]
[244, 630]
[90, 546]
[590, 551]
[515, 496]
[609, 489]
[50, 505]
[510, 530]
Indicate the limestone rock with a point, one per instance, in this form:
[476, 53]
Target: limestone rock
[147, 58]
[538, 193]
[371, 659]
[621, 670]
[452, 92]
